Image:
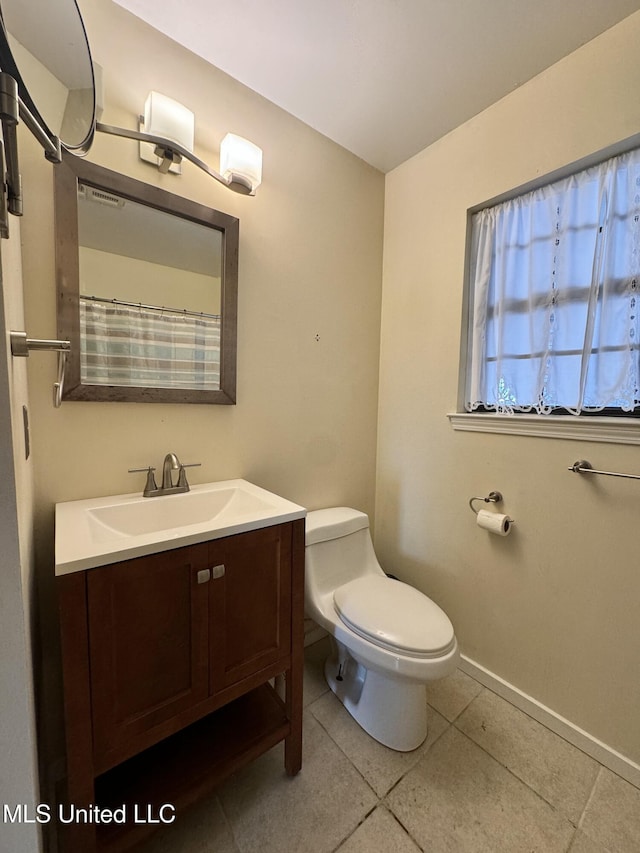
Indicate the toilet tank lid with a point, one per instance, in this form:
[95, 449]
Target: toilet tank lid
[325, 524]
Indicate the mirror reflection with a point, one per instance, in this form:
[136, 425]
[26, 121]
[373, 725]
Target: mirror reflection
[149, 295]
[147, 290]
[47, 52]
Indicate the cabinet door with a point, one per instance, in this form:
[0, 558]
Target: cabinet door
[250, 603]
[148, 645]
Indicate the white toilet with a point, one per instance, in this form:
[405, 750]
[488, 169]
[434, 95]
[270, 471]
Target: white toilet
[388, 639]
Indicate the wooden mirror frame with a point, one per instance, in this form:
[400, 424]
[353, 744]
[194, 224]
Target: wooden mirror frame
[67, 175]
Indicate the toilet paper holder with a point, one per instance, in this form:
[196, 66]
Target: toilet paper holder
[492, 497]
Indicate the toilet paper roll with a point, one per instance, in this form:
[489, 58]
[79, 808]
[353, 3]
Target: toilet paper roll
[494, 522]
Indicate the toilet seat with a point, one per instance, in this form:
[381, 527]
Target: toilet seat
[395, 616]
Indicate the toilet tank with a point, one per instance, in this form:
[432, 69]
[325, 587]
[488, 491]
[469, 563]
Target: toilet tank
[338, 549]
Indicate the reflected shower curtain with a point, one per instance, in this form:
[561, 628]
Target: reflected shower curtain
[149, 348]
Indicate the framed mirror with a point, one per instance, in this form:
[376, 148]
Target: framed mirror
[44, 47]
[147, 286]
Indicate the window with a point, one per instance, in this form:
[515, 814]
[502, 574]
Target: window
[555, 297]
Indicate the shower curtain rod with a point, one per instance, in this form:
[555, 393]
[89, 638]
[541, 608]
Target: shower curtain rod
[184, 311]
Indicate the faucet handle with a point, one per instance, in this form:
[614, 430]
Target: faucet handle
[182, 476]
[150, 485]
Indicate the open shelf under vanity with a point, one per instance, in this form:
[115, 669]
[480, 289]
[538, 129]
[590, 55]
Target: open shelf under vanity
[188, 765]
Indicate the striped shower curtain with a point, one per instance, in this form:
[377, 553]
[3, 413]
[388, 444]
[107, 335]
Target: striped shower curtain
[149, 348]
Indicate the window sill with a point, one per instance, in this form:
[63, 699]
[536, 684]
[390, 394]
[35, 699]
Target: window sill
[609, 430]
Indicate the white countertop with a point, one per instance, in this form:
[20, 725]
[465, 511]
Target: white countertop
[99, 531]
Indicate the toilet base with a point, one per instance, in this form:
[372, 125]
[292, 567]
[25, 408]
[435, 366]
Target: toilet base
[393, 711]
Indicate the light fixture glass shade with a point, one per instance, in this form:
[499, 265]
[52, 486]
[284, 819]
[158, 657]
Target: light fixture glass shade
[241, 161]
[169, 119]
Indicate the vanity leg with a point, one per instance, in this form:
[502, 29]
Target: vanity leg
[293, 742]
[294, 676]
[74, 638]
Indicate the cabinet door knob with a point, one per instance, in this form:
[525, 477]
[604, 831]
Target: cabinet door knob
[204, 576]
[217, 572]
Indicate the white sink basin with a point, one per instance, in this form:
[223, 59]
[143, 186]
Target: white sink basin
[99, 531]
[152, 515]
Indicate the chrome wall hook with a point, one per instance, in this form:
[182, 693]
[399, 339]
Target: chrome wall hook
[492, 497]
[58, 385]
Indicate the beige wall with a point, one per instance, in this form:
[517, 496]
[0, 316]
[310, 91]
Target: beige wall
[310, 265]
[112, 276]
[553, 609]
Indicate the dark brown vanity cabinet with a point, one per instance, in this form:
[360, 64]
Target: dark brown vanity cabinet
[148, 648]
[168, 661]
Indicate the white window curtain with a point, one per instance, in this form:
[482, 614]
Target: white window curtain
[555, 289]
[148, 348]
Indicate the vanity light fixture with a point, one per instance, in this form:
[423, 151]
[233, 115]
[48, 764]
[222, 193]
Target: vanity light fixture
[166, 135]
[241, 160]
[167, 119]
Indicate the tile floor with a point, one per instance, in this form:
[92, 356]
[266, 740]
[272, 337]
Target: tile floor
[488, 778]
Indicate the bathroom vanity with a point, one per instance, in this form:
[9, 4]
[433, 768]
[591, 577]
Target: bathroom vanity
[173, 644]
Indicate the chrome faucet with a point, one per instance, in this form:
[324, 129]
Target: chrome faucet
[171, 463]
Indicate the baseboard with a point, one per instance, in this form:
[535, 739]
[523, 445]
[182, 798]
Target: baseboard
[590, 745]
[312, 632]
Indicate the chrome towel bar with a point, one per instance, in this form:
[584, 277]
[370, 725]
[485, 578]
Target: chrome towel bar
[584, 467]
[21, 345]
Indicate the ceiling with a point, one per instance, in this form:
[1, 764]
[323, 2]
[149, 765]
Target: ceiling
[383, 78]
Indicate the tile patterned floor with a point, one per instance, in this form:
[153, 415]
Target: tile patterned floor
[488, 778]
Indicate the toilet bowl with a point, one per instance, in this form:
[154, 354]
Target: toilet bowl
[388, 639]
